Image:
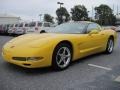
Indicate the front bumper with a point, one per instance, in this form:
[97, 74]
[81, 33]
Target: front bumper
[44, 62]
[10, 32]
[19, 32]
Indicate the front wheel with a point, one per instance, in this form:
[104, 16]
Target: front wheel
[110, 46]
[62, 56]
[42, 31]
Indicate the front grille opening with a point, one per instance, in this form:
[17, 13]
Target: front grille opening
[27, 58]
[19, 58]
[26, 64]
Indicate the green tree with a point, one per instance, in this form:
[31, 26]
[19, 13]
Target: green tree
[79, 12]
[48, 18]
[104, 15]
[62, 15]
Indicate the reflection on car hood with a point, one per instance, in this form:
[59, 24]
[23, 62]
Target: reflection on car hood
[30, 39]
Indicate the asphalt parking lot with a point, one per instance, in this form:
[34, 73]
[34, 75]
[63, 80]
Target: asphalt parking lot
[96, 72]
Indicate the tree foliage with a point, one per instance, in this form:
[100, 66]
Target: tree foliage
[79, 12]
[48, 18]
[61, 13]
[104, 15]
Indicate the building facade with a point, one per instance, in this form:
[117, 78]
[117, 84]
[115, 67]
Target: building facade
[9, 19]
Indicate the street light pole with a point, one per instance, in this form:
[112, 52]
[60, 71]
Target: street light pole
[60, 3]
[40, 16]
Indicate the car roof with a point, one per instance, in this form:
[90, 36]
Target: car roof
[84, 22]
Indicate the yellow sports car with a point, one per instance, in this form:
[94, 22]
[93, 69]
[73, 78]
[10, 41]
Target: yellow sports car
[61, 45]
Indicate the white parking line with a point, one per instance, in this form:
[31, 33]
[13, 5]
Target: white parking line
[117, 79]
[97, 66]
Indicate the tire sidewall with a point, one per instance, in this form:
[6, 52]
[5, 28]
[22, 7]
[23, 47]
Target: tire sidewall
[107, 48]
[54, 62]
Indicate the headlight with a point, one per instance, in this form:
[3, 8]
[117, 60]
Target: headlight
[34, 58]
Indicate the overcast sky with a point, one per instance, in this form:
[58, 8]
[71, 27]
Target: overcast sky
[30, 9]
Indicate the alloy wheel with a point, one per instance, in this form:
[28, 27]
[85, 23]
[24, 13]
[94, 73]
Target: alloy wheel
[63, 57]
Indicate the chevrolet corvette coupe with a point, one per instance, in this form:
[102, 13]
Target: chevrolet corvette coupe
[60, 46]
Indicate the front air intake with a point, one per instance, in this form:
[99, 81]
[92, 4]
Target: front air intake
[20, 58]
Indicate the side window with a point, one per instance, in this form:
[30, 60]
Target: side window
[46, 25]
[32, 24]
[16, 25]
[26, 25]
[39, 24]
[93, 27]
[21, 25]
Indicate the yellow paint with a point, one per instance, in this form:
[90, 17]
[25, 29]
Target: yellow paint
[43, 45]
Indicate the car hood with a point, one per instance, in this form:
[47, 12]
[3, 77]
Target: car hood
[33, 40]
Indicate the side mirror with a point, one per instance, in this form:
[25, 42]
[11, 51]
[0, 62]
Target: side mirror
[93, 32]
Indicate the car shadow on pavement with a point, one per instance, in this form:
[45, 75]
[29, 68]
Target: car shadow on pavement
[85, 59]
[30, 71]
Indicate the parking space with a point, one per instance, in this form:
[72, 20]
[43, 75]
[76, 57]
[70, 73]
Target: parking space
[96, 72]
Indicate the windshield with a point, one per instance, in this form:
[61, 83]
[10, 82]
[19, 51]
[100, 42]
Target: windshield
[70, 28]
[11, 25]
[16, 25]
[21, 25]
[32, 24]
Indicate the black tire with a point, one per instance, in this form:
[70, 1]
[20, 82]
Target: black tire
[42, 31]
[55, 55]
[110, 46]
[9, 34]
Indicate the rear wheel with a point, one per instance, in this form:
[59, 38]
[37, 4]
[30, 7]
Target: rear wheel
[110, 46]
[62, 56]
[42, 31]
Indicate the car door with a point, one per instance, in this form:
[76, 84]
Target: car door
[96, 39]
[90, 43]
